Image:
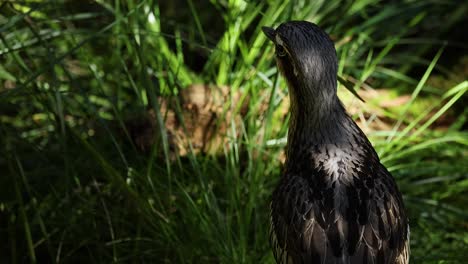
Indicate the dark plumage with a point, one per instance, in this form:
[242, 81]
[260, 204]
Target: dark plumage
[335, 202]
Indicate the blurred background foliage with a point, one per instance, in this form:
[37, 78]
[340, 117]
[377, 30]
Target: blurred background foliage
[153, 131]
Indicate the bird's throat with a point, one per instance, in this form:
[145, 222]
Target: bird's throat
[314, 123]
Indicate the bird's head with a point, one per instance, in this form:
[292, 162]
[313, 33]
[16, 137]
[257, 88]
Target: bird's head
[306, 57]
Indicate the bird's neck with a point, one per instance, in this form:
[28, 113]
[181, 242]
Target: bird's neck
[317, 122]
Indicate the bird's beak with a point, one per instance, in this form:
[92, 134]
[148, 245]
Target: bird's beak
[269, 32]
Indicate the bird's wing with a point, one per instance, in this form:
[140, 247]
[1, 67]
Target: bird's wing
[380, 220]
[296, 234]
[363, 223]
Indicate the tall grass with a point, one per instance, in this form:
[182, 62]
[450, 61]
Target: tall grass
[77, 188]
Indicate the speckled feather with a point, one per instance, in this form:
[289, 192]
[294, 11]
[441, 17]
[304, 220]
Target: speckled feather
[335, 203]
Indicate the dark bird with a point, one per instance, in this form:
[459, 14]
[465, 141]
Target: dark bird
[335, 202]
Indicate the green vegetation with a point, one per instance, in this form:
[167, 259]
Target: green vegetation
[103, 158]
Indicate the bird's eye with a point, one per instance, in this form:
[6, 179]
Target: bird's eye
[280, 51]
